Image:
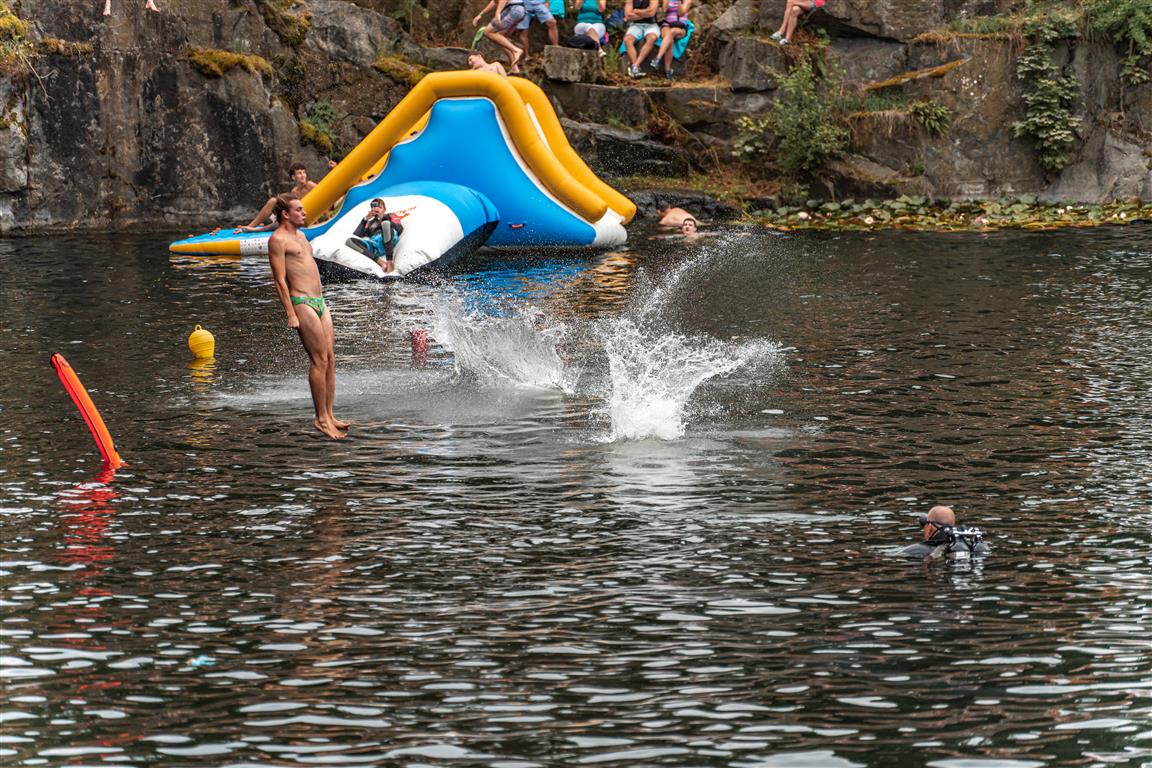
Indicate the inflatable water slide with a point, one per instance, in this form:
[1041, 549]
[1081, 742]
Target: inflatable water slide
[466, 159]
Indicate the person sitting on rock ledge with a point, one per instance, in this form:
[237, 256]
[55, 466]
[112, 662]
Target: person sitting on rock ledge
[641, 17]
[673, 27]
[792, 13]
[149, 5]
[590, 21]
[476, 61]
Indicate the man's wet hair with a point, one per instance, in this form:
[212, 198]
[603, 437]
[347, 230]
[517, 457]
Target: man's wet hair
[283, 204]
[296, 167]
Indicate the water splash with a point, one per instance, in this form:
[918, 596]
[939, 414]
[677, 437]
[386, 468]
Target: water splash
[653, 375]
[654, 372]
[508, 343]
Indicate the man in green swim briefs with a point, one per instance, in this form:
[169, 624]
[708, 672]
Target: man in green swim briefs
[302, 297]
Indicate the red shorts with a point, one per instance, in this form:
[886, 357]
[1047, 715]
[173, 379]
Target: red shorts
[818, 4]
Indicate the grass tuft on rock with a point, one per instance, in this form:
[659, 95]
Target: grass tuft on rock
[289, 19]
[15, 48]
[52, 46]
[399, 70]
[212, 62]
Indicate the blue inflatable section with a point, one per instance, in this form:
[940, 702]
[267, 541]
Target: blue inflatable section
[463, 144]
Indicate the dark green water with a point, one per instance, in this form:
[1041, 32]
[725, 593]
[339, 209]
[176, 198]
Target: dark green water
[490, 572]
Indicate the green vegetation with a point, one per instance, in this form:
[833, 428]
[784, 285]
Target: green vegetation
[51, 46]
[15, 48]
[316, 126]
[212, 62]
[399, 69]
[1129, 23]
[920, 213]
[289, 19]
[1049, 95]
[805, 123]
[752, 143]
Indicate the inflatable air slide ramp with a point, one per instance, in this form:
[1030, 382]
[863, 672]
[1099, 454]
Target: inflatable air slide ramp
[465, 159]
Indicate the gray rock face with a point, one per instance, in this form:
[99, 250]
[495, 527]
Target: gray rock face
[750, 64]
[1110, 169]
[346, 31]
[867, 60]
[572, 65]
[623, 151]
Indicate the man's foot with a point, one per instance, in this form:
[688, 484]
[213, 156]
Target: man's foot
[386, 265]
[329, 429]
[776, 37]
[517, 58]
[341, 425]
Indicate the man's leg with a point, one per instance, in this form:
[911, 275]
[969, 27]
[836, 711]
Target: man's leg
[630, 49]
[553, 32]
[649, 44]
[315, 340]
[330, 339]
[514, 52]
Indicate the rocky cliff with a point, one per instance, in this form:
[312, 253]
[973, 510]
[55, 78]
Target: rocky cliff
[192, 115]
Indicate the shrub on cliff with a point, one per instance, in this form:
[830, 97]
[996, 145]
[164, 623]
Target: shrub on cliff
[804, 119]
[1049, 95]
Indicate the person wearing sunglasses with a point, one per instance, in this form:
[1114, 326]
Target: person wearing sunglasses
[942, 536]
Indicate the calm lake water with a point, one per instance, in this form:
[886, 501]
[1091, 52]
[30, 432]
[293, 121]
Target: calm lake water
[637, 509]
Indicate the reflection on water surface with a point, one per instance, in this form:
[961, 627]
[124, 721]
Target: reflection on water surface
[482, 575]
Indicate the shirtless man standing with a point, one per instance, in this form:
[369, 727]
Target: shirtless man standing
[298, 286]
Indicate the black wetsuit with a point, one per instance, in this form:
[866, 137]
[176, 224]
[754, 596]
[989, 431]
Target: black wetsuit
[925, 548]
[370, 228]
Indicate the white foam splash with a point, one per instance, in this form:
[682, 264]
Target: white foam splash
[653, 376]
[515, 346]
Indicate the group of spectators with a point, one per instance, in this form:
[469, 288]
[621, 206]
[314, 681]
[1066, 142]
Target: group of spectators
[656, 32]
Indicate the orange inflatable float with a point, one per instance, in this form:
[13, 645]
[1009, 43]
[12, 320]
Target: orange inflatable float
[88, 410]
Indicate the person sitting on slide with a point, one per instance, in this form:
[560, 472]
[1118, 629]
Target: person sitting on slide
[672, 28]
[590, 21]
[377, 235]
[792, 12]
[476, 61]
[509, 13]
[641, 16]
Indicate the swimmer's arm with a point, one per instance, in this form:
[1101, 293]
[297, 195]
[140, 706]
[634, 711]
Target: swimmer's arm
[276, 261]
[247, 228]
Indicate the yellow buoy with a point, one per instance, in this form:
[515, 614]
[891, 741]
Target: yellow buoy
[202, 343]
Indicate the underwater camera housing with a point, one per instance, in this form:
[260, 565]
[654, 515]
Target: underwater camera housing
[962, 542]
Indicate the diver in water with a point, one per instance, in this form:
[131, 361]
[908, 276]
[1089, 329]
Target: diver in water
[943, 538]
